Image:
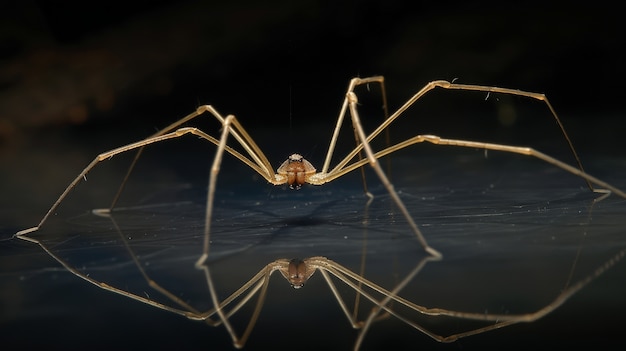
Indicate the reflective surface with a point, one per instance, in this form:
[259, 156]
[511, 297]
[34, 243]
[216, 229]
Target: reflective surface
[514, 233]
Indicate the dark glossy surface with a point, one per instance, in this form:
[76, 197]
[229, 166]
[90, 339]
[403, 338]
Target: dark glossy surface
[513, 233]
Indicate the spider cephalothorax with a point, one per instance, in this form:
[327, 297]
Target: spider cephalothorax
[297, 170]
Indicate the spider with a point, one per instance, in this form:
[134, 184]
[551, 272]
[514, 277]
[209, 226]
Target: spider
[296, 171]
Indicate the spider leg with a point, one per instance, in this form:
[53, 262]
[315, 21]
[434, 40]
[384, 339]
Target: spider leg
[373, 161]
[342, 112]
[259, 161]
[256, 160]
[228, 125]
[257, 284]
[188, 311]
[368, 289]
[530, 152]
[100, 158]
[523, 150]
[201, 262]
[339, 169]
[333, 141]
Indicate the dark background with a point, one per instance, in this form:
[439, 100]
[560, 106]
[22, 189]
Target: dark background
[142, 65]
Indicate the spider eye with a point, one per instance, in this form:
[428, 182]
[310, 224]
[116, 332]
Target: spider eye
[295, 158]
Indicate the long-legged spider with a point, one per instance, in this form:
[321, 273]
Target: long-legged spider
[296, 171]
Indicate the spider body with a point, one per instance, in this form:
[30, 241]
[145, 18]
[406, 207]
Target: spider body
[297, 170]
[297, 272]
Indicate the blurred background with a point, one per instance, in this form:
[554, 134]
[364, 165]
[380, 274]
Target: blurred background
[140, 64]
